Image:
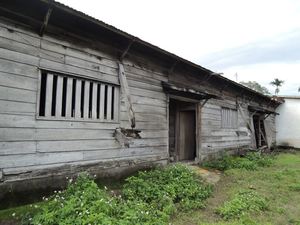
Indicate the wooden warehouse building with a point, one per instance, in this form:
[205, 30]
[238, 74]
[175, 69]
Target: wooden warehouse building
[78, 94]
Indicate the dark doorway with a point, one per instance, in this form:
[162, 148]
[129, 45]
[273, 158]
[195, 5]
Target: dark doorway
[182, 130]
[260, 132]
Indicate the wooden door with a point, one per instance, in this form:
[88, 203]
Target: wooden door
[187, 135]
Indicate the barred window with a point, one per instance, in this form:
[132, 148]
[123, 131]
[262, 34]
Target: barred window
[229, 118]
[67, 97]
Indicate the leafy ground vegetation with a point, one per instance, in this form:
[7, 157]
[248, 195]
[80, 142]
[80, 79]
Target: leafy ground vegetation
[252, 195]
[253, 190]
[150, 197]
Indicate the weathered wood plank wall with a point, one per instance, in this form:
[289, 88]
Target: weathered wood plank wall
[27, 143]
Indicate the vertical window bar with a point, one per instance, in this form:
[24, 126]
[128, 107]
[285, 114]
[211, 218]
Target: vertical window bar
[86, 99]
[102, 93]
[69, 97]
[78, 99]
[116, 104]
[49, 88]
[91, 100]
[59, 90]
[109, 102]
[94, 102]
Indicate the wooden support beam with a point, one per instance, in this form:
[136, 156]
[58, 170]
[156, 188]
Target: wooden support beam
[46, 18]
[125, 89]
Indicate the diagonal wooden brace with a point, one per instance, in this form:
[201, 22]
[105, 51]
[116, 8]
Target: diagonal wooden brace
[125, 89]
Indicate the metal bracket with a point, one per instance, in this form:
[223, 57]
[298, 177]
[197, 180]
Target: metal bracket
[170, 71]
[46, 18]
[126, 50]
[202, 104]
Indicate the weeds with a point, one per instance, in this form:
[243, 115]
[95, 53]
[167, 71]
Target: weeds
[150, 197]
[252, 161]
[174, 187]
[243, 202]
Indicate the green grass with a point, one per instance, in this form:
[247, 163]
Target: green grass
[278, 183]
[149, 197]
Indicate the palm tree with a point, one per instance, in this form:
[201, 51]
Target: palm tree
[277, 83]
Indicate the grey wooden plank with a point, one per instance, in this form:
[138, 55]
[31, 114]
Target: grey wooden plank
[17, 36]
[91, 65]
[120, 153]
[25, 134]
[64, 68]
[17, 134]
[17, 147]
[19, 57]
[69, 97]
[18, 68]
[101, 103]
[59, 91]
[94, 102]
[86, 100]
[29, 121]
[7, 106]
[147, 93]
[78, 99]
[75, 145]
[17, 95]
[49, 89]
[16, 81]
[109, 102]
[116, 103]
[39, 159]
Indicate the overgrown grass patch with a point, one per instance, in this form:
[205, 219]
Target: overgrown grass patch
[295, 187]
[242, 203]
[251, 161]
[150, 197]
[176, 187]
[275, 183]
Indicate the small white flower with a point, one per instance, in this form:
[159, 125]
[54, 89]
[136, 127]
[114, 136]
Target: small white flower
[105, 187]
[14, 214]
[35, 206]
[30, 219]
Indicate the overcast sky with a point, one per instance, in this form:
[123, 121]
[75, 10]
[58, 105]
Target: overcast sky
[258, 40]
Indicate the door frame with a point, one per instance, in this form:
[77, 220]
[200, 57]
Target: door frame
[196, 107]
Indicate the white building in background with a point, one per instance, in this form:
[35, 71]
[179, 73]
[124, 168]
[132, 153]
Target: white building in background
[288, 122]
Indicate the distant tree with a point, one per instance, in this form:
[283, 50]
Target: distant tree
[299, 89]
[256, 87]
[277, 83]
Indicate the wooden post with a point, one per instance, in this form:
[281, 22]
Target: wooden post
[125, 88]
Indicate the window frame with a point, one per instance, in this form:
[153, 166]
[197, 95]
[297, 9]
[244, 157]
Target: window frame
[116, 119]
[235, 125]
